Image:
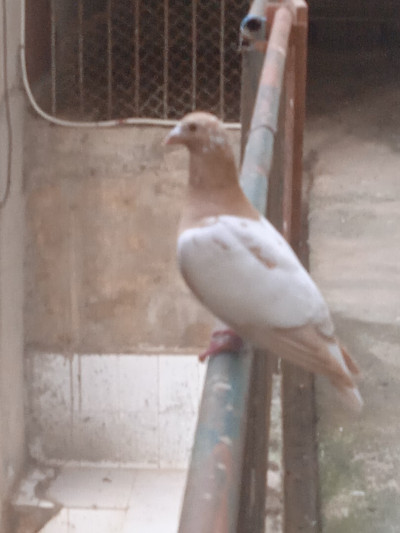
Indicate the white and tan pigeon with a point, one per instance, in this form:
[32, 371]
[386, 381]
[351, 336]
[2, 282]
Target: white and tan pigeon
[243, 270]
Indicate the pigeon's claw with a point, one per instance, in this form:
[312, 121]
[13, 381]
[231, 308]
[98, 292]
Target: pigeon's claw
[222, 340]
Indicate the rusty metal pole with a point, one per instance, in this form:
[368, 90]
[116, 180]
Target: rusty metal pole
[299, 415]
[213, 486]
[258, 155]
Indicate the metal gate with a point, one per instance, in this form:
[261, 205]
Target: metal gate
[159, 59]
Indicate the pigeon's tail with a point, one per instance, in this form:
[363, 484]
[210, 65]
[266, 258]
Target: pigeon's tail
[351, 397]
[349, 393]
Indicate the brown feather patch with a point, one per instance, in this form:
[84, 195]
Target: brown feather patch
[302, 345]
[257, 252]
[352, 366]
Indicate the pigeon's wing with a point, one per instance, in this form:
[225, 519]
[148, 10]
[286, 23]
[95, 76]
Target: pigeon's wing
[246, 273]
[248, 276]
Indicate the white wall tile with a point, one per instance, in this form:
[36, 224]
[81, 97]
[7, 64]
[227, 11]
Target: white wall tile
[95, 437]
[179, 383]
[134, 409]
[138, 383]
[176, 439]
[50, 386]
[49, 406]
[99, 383]
[138, 438]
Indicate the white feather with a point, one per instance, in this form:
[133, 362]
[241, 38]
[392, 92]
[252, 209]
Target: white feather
[219, 262]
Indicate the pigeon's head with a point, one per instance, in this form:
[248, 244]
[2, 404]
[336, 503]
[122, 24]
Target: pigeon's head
[200, 132]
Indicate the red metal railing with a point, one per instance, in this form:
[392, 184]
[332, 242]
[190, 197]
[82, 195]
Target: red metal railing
[225, 490]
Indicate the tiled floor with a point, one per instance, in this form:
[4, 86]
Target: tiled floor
[111, 500]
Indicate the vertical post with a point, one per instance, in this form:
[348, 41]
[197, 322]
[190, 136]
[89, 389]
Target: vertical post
[53, 22]
[222, 62]
[255, 465]
[137, 57]
[299, 417]
[252, 62]
[166, 57]
[300, 73]
[109, 59]
[194, 53]
[80, 55]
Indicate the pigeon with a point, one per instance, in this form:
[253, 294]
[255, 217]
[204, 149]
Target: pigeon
[242, 269]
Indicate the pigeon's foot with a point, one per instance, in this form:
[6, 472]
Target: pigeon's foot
[222, 340]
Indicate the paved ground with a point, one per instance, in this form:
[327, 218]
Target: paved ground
[352, 162]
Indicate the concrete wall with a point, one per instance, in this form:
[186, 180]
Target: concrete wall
[111, 329]
[12, 446]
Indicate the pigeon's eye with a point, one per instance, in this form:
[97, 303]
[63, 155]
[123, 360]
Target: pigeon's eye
[192, 127]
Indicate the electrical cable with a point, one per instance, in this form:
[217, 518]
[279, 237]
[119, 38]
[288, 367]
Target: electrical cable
[78, 124]
[7, 107]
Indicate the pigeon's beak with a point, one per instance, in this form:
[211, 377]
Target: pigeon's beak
[174, 136]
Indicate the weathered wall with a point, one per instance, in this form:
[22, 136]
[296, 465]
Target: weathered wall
[12, 446]
[111, 329]
[102, 212]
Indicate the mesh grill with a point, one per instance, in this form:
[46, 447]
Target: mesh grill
[145, 58]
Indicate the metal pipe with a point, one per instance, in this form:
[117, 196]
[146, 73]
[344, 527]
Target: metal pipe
[253, 26]
[80, 54]
[53, 36]
[257, 160]
[213, 487]
[222, 61]
[137, 56]
[166, 57]
[109, 59]
[194, 54]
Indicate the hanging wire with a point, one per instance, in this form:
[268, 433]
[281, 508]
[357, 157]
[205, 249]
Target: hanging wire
[88, 124]
[7, 108]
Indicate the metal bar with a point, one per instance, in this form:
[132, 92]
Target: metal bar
[109, 59]
[53, 36]
[254, 472]
[137, 57]
[253, 26]
[194, 54]
[257, 159]
[258, 8]
[222, 61]
[212, 493]
[299, 413]
[252, 63]
[300, 73]
[166, 57]
[80, 55]
[289, 147]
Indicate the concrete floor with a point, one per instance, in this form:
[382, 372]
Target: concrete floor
[105, 500]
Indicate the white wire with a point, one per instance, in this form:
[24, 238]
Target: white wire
[82, 124]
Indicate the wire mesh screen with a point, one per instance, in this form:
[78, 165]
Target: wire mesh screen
[114, 59]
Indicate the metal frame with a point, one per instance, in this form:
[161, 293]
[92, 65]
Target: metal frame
[226, 482]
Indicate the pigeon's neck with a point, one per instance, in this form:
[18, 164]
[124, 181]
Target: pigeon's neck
[213, 191]
[212, 170]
